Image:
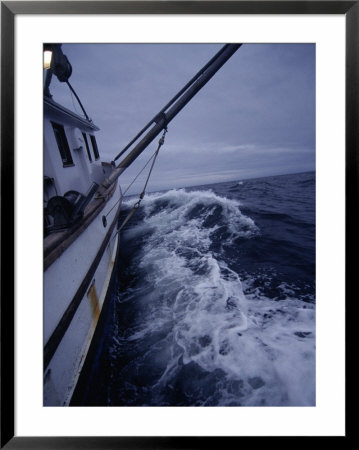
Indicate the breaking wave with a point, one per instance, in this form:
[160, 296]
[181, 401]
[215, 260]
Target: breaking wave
[194, 323]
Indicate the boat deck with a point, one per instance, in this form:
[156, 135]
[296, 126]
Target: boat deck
[56, 243]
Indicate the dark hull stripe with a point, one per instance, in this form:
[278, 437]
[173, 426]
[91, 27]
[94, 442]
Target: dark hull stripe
[65, 321]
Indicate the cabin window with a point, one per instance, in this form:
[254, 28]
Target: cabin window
[94, 146]
[87, 146]
[62, 144]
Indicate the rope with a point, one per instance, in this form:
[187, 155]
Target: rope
[139, 173]
[137, 204]
[160, 143]
[128, 187]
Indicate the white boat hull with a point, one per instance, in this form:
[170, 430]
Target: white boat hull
[82, 272]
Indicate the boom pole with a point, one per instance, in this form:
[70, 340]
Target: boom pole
[165, 117]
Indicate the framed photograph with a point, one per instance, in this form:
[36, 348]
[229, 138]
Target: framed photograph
[178, 281]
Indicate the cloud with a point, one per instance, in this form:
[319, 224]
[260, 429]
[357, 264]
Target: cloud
[255, 117]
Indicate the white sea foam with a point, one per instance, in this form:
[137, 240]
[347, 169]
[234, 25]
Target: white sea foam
[264, 348]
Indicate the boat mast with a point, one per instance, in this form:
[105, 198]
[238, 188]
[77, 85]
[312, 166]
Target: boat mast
[164, 117]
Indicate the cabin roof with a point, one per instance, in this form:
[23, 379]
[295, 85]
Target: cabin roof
[57, 109]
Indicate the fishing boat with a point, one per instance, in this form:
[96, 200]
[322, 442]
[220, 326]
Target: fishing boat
[82, 202]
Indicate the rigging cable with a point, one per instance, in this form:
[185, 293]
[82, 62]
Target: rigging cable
[78, 99]
[73, 103]
[137, 204]
[128, 187]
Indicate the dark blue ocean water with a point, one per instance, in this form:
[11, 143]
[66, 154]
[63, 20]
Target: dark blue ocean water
[215, 302]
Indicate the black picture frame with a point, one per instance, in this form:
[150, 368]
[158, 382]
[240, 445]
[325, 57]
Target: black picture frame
[9, 10]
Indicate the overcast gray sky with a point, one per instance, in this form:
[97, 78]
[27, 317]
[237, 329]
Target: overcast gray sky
[256, 117]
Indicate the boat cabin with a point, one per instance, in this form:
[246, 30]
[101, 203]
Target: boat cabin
[72, 166]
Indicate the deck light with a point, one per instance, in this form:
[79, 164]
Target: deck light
[47, 59]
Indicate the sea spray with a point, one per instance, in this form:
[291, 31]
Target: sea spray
[216, 299]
